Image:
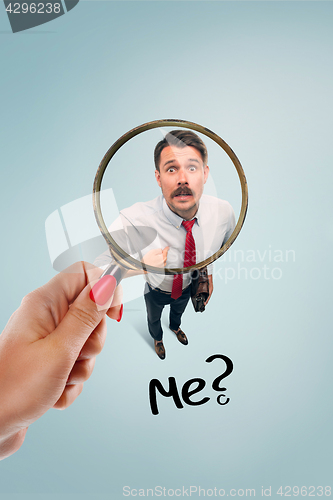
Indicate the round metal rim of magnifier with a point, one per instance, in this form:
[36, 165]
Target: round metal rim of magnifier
[119, 254]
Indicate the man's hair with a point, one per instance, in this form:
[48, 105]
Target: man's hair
[180, 139]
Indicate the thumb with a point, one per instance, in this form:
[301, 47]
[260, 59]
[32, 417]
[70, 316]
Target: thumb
[83, 316]
[165, 252]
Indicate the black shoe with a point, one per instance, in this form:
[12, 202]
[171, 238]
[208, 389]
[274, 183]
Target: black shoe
[181, 336]
[159, 348]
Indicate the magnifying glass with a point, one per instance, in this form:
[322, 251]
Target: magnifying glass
[127, 244]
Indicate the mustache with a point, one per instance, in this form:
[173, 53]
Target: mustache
[181, 190]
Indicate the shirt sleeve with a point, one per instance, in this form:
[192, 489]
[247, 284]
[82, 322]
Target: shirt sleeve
[210, 268]
[231, 224]
[106, 258]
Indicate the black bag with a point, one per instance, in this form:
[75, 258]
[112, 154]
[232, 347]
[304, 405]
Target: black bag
[199, 289]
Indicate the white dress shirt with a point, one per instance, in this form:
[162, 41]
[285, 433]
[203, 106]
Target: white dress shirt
[215, 221]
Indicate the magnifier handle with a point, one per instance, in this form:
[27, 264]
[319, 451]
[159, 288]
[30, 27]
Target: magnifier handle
[116, 271]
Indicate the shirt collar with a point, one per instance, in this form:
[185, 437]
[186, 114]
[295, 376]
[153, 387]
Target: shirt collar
[198, 214]
[173, 218]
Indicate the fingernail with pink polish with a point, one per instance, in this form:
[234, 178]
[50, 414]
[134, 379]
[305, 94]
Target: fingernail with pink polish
[120, 312]
[103, 290]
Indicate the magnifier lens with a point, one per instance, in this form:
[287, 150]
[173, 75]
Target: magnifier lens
[128, 171]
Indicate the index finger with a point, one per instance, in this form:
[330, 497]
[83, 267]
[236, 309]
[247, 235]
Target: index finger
[114, 310]
[70, 282]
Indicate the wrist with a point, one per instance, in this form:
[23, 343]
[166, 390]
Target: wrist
[10, 444]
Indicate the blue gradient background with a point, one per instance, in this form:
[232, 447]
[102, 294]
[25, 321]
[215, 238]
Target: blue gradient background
[260, 75]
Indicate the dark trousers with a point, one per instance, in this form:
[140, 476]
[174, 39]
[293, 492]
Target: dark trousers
[155, 301]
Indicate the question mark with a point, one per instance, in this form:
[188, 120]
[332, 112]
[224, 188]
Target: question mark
[216, 382]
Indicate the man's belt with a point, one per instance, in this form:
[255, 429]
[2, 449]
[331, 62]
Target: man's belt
[163, 291]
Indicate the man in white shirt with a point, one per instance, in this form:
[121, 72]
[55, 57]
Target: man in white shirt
[190, 227]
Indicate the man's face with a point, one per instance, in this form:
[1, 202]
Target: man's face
[182, 177]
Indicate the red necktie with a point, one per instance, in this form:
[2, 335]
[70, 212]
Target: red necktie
[189, 259]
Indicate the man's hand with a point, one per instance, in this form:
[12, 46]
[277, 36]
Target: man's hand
[156, 257]
[210, 279]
